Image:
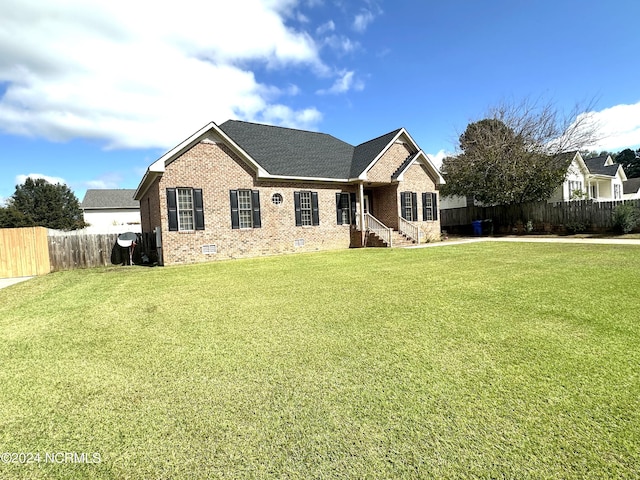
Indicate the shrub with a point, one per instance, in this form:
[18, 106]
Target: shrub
[575, 226]
[626, 217]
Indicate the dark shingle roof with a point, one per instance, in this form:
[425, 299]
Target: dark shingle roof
[365, 152]
[301, 153]
[290, 152]
[631, 186]
[597, 166]
[109, 198]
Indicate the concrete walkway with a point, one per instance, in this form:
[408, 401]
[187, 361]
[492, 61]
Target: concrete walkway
[5, 282]
[533, 239]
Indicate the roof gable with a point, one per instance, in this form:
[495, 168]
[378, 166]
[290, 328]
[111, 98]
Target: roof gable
[602, 166]
[366, 153]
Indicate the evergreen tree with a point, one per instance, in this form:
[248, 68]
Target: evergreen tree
[40, 203]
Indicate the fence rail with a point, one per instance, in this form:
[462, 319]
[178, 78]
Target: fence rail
[548, 217]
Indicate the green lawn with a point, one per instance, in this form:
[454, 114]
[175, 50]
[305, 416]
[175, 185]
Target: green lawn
[485, 360]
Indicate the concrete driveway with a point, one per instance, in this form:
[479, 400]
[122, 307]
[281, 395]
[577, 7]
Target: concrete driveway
[5, 282]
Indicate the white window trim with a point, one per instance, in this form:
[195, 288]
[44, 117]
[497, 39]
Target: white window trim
[192, 210]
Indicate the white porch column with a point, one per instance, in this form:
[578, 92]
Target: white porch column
[361, 200]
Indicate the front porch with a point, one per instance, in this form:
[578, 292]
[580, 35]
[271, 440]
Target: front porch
[378, 222]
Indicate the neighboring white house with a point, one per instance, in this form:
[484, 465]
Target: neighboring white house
[455, 201]
[599, 179]
[631, 189]
[111, 211]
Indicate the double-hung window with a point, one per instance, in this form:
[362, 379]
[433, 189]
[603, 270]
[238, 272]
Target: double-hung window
[185, 209]
[409, 206]
[575, 189]
[245, 209]
[306, 208]
[429, 206]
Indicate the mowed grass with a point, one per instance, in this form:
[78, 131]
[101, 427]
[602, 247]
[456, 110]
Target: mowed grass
[469, 361]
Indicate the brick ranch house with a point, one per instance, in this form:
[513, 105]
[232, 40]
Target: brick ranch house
[243, 189]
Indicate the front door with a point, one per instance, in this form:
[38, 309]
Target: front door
[366, 203]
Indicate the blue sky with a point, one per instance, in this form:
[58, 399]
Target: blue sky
[91, 93]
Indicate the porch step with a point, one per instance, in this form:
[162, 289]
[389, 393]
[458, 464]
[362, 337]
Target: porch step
[397, 240]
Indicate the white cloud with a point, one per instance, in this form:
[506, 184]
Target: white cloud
[141, 74]
[437, 158]
[619, 128]
[341, 44]
[329, 26]
[362, 20]
[347, 81]
[20, 179]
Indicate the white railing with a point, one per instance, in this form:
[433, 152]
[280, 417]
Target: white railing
[373, 225]
[408, 229]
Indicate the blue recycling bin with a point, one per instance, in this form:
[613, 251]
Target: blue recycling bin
[477, 227]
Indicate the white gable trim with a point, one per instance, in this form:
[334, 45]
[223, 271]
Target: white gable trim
[363, 175]
[210, 133]
[424, 159]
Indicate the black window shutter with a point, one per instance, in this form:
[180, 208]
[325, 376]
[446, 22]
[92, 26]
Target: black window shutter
[235, 216]
[424, 206]
[255, 203]
[339, 208]
[434, 203]
[414, 206]
[198, 208]
[353, 208]
[172, 209]
[296, 202]
[403, 205]
[315, 214]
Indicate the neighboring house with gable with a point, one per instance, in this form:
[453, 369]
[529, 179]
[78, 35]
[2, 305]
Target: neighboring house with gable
[111, 211]
[631, 189]
[599, 179]
[243, 189]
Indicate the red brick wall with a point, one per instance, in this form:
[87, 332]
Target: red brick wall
[216, 169]
[417, 178]
[388, 163]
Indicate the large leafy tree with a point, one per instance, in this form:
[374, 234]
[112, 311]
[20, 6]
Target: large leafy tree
[630, 161]
[516, 154]
[38, 202]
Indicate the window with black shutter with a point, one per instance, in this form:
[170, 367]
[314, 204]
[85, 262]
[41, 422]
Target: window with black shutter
[429, 207]
[245, 209]
[185, 209]
[343, 209]
[306, 208]
[409, 206]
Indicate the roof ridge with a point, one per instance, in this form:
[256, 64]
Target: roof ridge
[394, 132]
[285, 128]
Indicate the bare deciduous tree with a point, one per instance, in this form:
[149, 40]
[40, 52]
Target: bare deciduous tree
[518, 153]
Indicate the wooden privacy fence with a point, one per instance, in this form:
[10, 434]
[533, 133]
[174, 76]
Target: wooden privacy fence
[69, 250]
[547, 217]
[23, 252]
